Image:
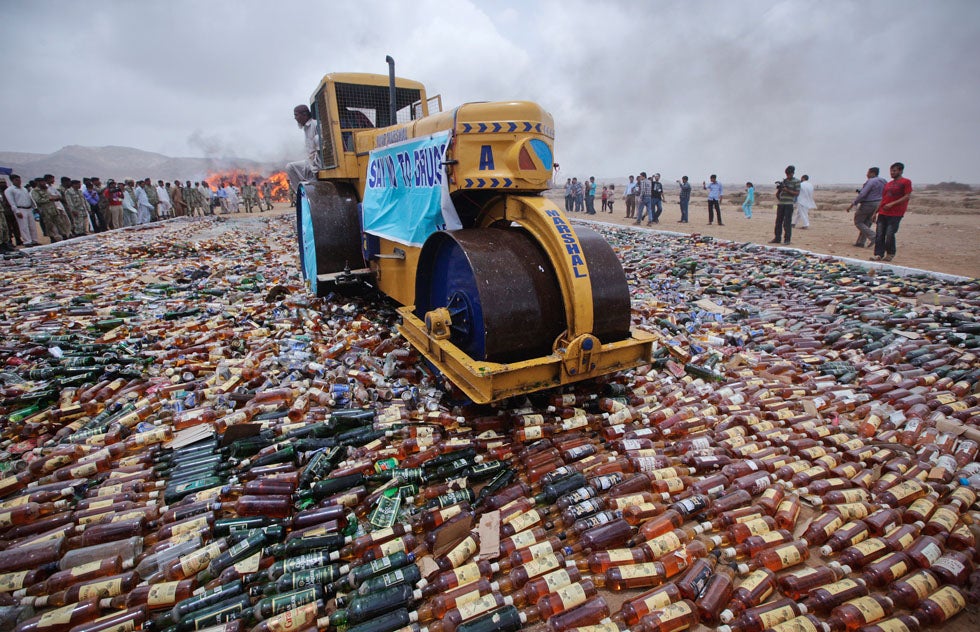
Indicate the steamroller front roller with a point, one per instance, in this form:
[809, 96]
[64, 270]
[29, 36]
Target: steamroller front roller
[522, 302]
[328, 227]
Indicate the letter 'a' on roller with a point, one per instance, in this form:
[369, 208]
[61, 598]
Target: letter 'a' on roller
[445, 213]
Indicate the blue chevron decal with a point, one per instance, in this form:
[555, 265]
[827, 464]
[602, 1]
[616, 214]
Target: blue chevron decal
[469, 183]
[511, 126]
[482, 127]
[496, 127]
[537, 127]
[466, 128]
[507, 182]
[480, 183]
[527, 126]
[494, 182]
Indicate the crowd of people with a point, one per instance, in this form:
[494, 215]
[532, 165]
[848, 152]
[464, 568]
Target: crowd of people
[73, 207]
[878, 202]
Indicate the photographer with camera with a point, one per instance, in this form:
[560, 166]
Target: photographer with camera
[786, 191]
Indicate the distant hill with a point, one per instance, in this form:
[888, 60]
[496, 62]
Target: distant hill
[117, 163]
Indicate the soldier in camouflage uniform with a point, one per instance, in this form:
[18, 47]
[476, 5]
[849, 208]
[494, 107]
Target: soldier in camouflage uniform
[55, 222]
[193, 199]
[251, 195]
[267, 195]
[77, 208]
[153, 198]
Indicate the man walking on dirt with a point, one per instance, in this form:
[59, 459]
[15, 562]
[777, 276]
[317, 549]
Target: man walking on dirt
[304, 170]
[786, 191]
[867, 202]
[894, 202]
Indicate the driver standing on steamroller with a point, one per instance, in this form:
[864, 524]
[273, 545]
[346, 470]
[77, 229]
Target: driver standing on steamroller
[305, 170]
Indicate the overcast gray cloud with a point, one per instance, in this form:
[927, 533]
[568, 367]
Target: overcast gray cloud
[734, 88]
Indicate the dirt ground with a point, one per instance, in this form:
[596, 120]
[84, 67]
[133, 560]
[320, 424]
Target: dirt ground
[940, 232]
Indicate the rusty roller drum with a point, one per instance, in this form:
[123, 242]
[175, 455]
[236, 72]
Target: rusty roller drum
[328, 228]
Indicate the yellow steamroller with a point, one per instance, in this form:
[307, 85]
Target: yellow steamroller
[443, 211]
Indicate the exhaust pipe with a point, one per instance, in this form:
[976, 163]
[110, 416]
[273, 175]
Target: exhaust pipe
[391, 90]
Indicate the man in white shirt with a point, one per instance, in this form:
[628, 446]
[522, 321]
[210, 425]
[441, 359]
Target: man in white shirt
[804, 203]
[143, 207]
[205, 190]
[166, 206]
[130, 211]
[304, 170]
[23, 207]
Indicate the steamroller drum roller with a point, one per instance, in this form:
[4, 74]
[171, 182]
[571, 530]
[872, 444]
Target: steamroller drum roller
[499, 288]
[611, 309]
[328, 226]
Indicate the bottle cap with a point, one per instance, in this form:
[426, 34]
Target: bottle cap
[825, 550]
[413, 616]
[803, 609]
[522, 616]
[417, 594]
[422, 583]
[725, 617]
[743, 568]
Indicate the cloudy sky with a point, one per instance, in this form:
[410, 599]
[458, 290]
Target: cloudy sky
[683, 87]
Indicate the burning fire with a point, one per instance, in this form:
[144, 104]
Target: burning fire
[240, 177]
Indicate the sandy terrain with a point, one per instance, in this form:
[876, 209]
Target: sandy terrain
[940, 232]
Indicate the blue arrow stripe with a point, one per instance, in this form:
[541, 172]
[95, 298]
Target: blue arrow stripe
[511, 126]
[466, 128]
[469, 183]
[507, 182]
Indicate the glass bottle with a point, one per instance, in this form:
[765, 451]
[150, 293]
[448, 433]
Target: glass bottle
[779, 558]
[825, 598]
[101, 587]
[589, 613]
[908, 591]
[798, 583]
[681, 615]
[887, 569]
[638, 607]
[716, 595]
[63, 618]
[859, 612]
[898, 623]
[848, 535]
[940, 606]
[437, 606]
[749, 592]
[762, 617]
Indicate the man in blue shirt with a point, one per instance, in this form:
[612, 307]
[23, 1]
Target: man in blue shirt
[715, 192]
[590, 196]
[684, 198]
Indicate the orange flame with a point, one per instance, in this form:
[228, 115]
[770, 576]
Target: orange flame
[240, 177]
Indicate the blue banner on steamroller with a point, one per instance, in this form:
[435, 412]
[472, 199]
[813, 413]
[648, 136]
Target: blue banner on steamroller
[406, 197]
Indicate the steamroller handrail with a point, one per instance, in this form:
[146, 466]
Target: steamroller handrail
[547, 224]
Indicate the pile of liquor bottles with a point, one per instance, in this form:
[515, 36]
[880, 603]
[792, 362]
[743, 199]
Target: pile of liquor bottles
[191, 442]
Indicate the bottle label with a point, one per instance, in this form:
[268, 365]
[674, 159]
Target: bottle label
[525, 520]
[392, 546]
[249, 564]
[922, 583]
[164, 594]
[899, 568]
[477, 607]
[852, 511]
[84, 471]
[674, 485]
[539, 549]
[659, 600]
[954, 566]
[904, 489]
[198, 560]
[832, 526]
[523, 539]
[894, 624]
[557, 579]
[572, 595]
[125, 626]
[107, 588]
[620, 555]
[541, 565]
[306, 561]
[532, 433]
[58, 617]
[85, 569]
[757, 526]
[949, 600]
[797, 624]
[945, 518]
[467, 574]
[10, 582]
[294, 619]
[871, 546]
[189, 526]
[664, 544]
[463, 551]
[869, 608]
[753, 580]
[638, 571]
[777, 616]
[838, 587]
[854, 495]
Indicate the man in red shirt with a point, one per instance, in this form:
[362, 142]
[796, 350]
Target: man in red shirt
[891, 210]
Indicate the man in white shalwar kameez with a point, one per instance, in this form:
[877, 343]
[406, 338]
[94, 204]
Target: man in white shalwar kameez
[804, 203]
